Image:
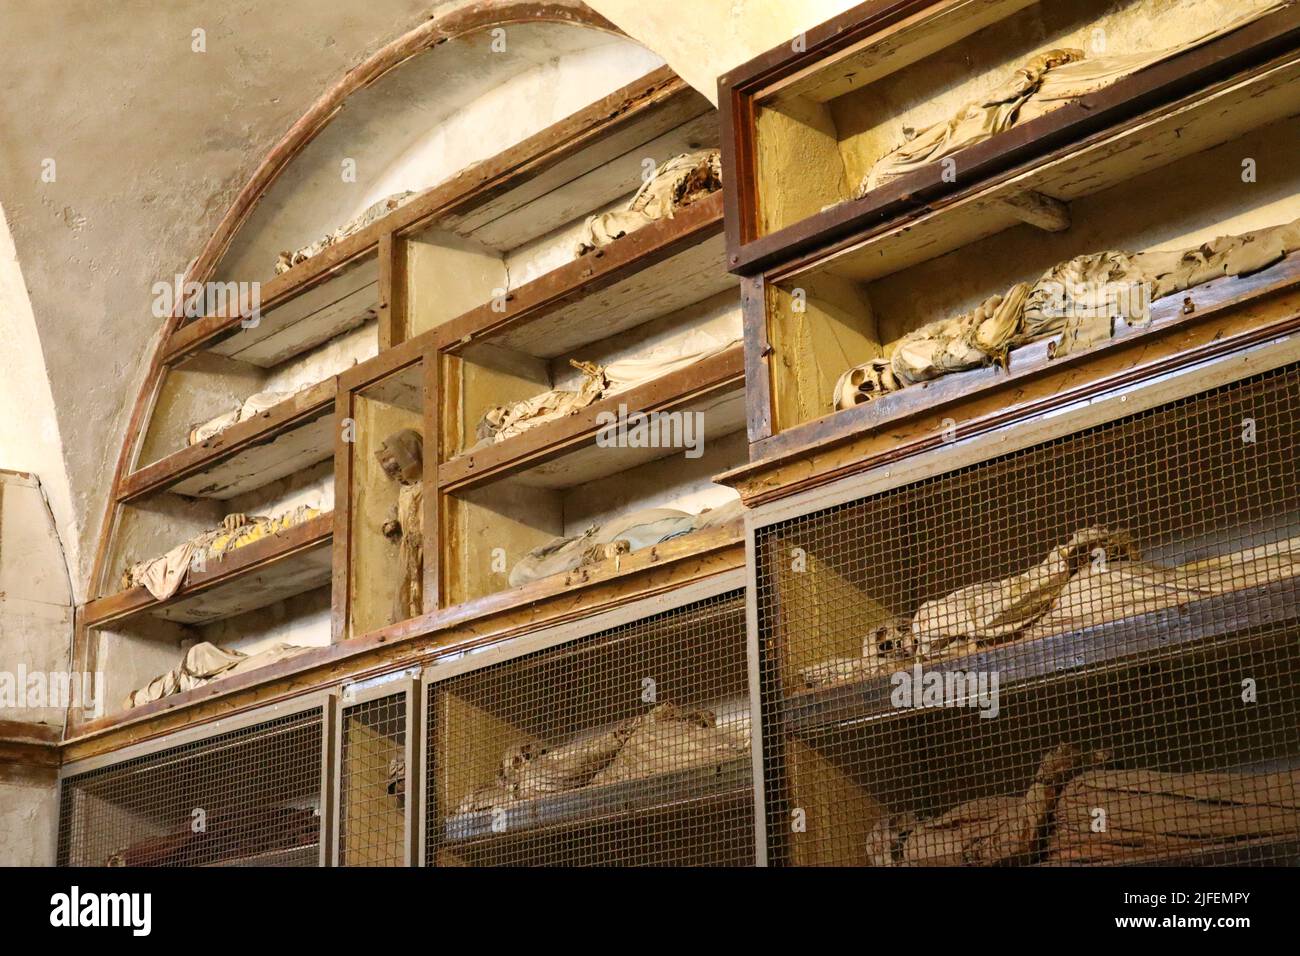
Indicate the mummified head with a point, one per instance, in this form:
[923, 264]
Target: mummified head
[402, 456]
[890, 640]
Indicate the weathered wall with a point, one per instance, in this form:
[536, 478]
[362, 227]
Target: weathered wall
[29, 813]
[35, 637]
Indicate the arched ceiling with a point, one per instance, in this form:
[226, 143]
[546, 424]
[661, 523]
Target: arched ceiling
[152, 141]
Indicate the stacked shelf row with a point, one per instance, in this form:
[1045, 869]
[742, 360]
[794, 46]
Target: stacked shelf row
[622, 739]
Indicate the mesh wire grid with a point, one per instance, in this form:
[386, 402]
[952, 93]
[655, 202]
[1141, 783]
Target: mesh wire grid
[372, 783]
[627, 747]
[246, 797]
[1080, 653]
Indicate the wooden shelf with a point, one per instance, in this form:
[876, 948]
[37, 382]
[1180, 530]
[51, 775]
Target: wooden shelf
[299, 310]
[1217, 115]
[675, 792]
[1197, 98]
[269, 570]
[716, 384]
[1143, 637]
[1232, 312]
[291, 436]
[652, 272]
[523, 192]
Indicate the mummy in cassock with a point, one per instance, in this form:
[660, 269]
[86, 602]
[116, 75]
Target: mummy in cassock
[1080, 301]
[401, 457]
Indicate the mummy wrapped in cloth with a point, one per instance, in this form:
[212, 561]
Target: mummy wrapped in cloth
[1080, 301]
[641, 529]
[987, 831]
[1095, 577]
[401, 457]
[204, 663]
[676, 184]
[1049, 80]
[505, 421]
[372, 213]
[164, 575]
[251, 407]
[666, 738]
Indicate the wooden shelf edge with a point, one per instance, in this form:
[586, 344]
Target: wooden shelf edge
[553, 439]
[585, 275]
[1170, 322]
[299, 409]
[1128, 101]
[308, 536]
[477, 184]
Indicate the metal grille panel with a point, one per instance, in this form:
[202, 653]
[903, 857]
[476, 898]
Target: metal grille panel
[372, 782]
[1080, 653]
[245, 797]
[629, 747]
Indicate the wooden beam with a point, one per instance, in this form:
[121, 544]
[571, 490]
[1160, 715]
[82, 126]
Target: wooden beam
[1043, 212]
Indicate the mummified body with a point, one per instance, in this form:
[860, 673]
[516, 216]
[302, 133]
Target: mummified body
[676, 184]
[401, 457]
[1049, 80]
[1081, 300]
[988, 831]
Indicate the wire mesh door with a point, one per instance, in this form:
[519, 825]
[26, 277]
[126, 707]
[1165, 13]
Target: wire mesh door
[1080, 653]
[246, 796]
[375, 811]
[625, 747]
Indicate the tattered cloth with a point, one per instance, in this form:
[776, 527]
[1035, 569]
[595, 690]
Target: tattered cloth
[505, 421]
[1080, 300]
[204, 663]
[251, 407]
[1046, 82]
[679, 182]
[164, 575]
[641, 529]
[664, 739]
[1150, 814]
[372, 213]
[1094, 578]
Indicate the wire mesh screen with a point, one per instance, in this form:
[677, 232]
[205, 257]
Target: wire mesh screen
[629, 747]
[372, 783]
[1081, 653]
[247, 797]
